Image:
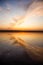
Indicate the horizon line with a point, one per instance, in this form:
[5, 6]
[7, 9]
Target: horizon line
[21, 30]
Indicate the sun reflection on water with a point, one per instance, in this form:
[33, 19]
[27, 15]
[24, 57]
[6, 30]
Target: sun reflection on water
[29, 41]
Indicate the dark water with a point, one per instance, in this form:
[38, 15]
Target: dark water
[21, 47]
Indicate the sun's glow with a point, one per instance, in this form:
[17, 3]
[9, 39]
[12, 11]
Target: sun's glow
[31, 19]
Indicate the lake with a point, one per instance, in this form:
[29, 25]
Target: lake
[21, 47]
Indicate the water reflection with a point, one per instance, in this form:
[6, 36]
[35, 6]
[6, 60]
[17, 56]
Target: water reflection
[31, 42]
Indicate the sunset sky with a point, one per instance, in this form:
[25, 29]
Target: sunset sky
[21, 14]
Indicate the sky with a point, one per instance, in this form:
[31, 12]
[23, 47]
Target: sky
[21, 14]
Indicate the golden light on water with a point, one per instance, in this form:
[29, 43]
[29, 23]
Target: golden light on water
[29, 41]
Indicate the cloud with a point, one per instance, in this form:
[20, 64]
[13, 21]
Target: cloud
[32, 4]
[1, 8]
[7, 11]
[35, 9]
[8, 8]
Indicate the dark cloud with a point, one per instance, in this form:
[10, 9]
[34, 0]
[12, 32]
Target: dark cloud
[39, 0]
[30, 3]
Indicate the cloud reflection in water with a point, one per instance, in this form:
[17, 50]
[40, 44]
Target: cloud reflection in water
[34, 50]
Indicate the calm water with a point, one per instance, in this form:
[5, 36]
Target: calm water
[20, 43]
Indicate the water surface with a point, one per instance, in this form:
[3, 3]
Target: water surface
[18, 44]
